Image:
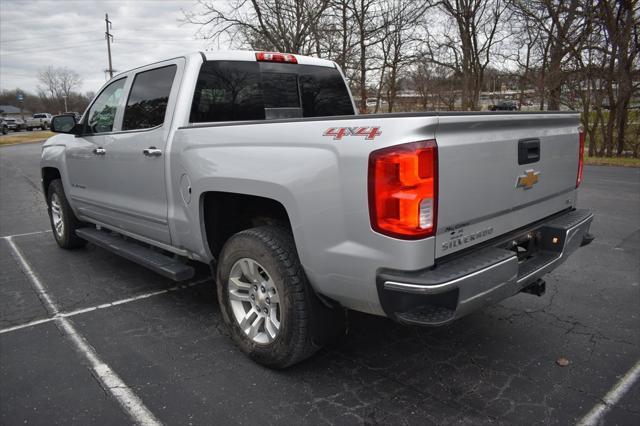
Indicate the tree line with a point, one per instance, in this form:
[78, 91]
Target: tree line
[557, 54]
[57, 92]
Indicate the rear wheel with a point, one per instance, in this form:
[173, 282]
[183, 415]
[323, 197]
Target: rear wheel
[267, 303]
[63, 221]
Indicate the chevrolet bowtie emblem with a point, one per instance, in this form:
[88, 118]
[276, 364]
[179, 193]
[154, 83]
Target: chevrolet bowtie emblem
[528, 179]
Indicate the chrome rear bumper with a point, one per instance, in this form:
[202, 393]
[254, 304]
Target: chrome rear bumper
[482, 277]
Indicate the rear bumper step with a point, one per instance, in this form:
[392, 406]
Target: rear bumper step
[462, 285]
[164, 265]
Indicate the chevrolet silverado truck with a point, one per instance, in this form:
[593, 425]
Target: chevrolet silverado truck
[257, 164]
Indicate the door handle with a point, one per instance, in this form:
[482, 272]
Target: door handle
[100, 151]
[152, 151]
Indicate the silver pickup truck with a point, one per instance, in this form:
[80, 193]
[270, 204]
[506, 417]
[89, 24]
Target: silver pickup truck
[258, 165]
[40, 121]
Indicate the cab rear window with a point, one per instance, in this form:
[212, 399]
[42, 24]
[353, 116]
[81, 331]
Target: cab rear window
[238, 91]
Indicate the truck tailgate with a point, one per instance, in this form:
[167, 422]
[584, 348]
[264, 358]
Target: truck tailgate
[484, 191]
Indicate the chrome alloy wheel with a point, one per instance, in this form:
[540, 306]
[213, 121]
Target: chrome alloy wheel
[56, 215]
[254, 300]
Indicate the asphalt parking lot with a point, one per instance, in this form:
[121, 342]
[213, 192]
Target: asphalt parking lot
[168, 346]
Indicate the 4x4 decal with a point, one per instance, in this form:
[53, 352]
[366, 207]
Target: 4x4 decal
[338, 133]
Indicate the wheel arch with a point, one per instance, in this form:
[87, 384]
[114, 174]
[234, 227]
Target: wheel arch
[224, 214]
[49, 174]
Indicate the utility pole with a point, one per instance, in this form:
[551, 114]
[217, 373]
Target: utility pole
[109, 38]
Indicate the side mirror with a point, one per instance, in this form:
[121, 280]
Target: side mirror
[64, 124]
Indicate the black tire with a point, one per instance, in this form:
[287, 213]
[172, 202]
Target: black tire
[67, 238]
[306, 324]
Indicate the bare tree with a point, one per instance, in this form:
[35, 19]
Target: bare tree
[435, 84]
[68, 80]
[49, 79]
[281, 25]
[526, 43]
[398, 45]
[561, 25]
[56, 84]
[339, 38]
[367, 17]
[453, 52]
[468, 47]
[620, 20]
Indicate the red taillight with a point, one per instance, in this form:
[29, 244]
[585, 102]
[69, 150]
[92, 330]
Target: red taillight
[403, 187]
[276, 57]
[580, 159]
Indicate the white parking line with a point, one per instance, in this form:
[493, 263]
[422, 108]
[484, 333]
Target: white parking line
[595, 416]
[6, 237]
[108, 378]
[28, 324]
[102, 306]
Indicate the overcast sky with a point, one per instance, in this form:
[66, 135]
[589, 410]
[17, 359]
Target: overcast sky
[35, 34]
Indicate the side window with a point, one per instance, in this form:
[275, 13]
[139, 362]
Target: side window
[147, 103]
[228, 91]
[103, 111]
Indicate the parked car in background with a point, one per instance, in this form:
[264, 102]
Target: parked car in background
[504, 106]
[39, 120]
[3, 126]
[15, 124]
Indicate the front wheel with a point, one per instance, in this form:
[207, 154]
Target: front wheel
[63, 221]
[268, 305]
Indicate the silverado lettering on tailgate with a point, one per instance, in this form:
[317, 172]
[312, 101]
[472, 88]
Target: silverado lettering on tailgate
[461, 240]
